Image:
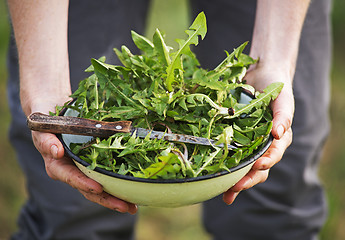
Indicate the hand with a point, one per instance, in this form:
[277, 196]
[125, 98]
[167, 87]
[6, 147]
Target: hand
[260, 170]
[60, 167]
[283, 110]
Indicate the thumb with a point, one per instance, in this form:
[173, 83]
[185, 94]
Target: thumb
[48, 144]
[283, 108]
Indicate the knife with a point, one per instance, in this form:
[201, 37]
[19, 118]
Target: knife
[88, 127]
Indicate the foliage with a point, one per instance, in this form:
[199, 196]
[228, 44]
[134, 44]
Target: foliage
[168, 90]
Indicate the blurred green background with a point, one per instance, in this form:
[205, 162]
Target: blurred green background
[184, 223]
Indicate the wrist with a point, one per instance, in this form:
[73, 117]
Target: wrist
[284, 68]
[277, 30]
[44, 102]
[42, 88]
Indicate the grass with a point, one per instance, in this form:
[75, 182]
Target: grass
[332, 169]
[12, 192]
[184, 223]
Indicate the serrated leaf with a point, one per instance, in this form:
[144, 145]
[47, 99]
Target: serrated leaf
[124, 56]
[99, 66]
[210, 80]
[229, 60]
[161, 49]
[183, 104]
[271, 92]
[241, 138]
[238, 51]
[162, 168]
[198, 28]
[142, 43]
[123, 112]
[111, 143]
[195, 130]
[172, 89]
[226, 136]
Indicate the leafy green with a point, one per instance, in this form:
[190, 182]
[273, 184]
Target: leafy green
[197, 28]
[168, 90]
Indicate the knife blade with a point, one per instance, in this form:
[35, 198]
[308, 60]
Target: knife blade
[88, 127]
[173, 137]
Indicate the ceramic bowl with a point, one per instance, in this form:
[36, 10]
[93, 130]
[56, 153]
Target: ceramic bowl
[162, 193]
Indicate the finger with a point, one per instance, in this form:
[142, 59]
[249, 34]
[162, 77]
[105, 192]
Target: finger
[48, 144]
[274, 153]
[64, 170]
[260, 169]
[230, 196]
[111, 202]
[283, 111]
[252, 178]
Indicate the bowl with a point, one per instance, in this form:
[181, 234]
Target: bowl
[162, 193]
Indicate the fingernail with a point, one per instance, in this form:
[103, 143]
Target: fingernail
[54, 151]
[280, 131]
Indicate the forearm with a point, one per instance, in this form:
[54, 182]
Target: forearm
[277, 31]
[275, 42]
[40, 29]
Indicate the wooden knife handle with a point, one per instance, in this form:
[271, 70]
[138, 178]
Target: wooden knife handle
[74, 125]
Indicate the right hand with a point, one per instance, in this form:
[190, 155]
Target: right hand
[283, 110]
[62, 168]
[59, 167]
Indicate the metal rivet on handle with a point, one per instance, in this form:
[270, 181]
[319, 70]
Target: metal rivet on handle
[118, 127]
[98, 125]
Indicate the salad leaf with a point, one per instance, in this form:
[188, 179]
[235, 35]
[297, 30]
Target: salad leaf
[167, 90]
[263, 99]
[197, 28]
[161, 48]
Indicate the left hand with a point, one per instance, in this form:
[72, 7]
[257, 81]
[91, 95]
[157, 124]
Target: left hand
[260, 170]
[283, 110]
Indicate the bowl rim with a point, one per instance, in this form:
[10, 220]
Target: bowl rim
[243, 163]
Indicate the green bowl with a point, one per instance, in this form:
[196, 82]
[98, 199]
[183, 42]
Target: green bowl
[162, 193]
